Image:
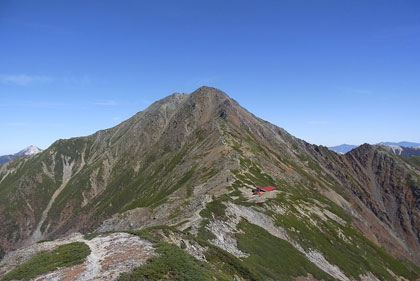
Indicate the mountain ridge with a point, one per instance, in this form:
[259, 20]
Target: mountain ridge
[401, 143]
[191, 160]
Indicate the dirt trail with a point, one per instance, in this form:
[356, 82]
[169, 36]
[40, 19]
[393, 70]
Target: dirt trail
[93, 266]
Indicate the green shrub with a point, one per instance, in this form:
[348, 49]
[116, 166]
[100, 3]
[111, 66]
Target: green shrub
[173, 264]
[43, 241]
[354, 256]
[203, 232]
[215, 207]
[153, 233]
[228, 263]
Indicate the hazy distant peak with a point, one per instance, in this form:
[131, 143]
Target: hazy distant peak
[30, 150]
[343, 148]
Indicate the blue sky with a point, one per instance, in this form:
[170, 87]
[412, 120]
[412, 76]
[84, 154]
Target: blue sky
[328, 71]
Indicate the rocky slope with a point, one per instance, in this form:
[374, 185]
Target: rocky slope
[190, 161]
[385, 192]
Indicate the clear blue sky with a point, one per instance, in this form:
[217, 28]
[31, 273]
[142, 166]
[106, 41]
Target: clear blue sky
[328, 71]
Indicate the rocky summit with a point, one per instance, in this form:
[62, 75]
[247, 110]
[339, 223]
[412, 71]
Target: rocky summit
[177, 192]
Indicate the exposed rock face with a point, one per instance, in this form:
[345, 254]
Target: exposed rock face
[385, 192]
[390, 191]
[165, 164]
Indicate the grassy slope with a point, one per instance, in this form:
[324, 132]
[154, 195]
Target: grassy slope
[270, 258]
[174, 264]
[274, 258]
[413, 160]
[354, 256]
[341, 244]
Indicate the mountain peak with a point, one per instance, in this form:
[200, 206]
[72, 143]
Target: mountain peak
[30, 150]
[205, 88]
[212, 99]
[210, 92]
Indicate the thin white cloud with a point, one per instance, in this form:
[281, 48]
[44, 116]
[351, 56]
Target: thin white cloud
[51, 125]
[41, 104]
[56, 104]
[26, 79]
[31, 104]
[105, 102]
[32, 124]
[23, 79]
[14, 124]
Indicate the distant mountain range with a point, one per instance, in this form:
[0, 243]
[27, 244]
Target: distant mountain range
[402, 143]
[403, 151]
[30, 150]
[344, 148]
